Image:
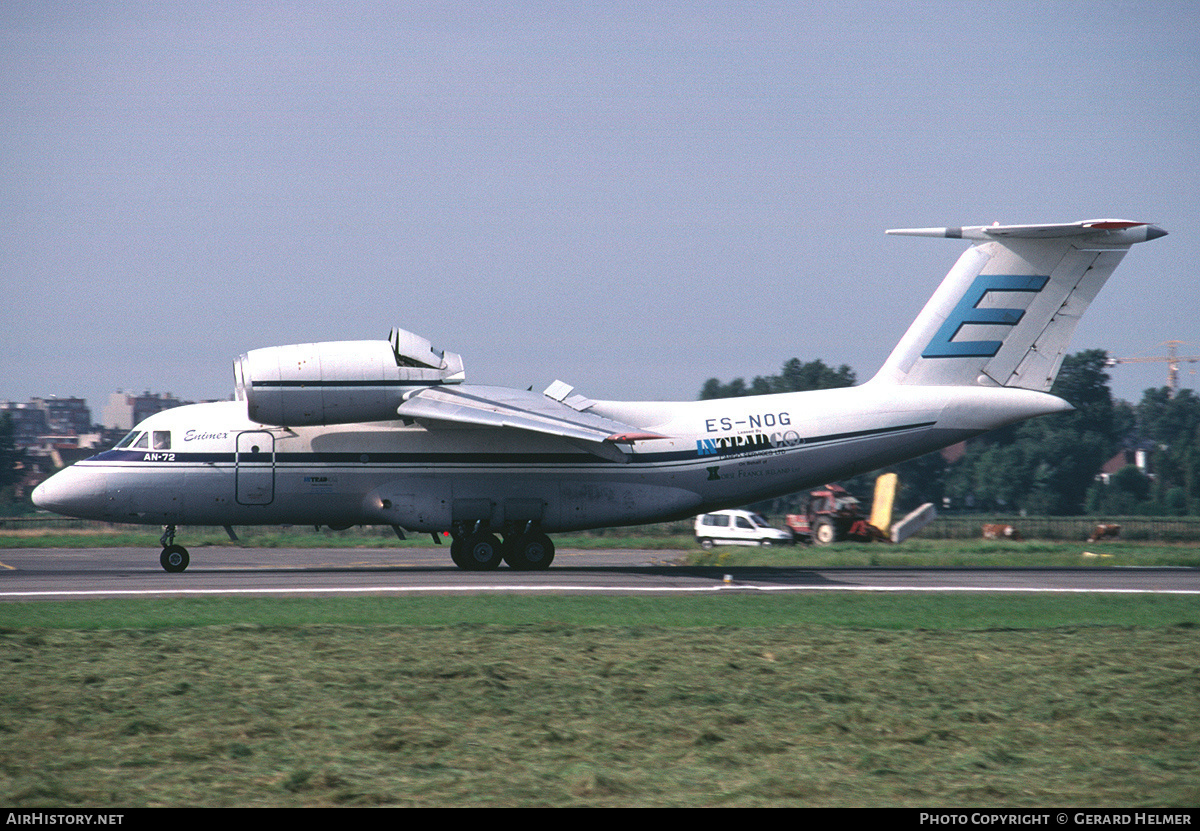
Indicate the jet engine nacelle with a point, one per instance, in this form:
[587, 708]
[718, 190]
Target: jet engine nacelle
[340, 382]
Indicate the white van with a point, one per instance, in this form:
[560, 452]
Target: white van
[737, 528]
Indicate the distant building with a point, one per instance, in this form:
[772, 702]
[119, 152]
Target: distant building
[49, 453]
[29, 422]
[124, 410]
[51, 433]
[65, 416]
[1132, 456]
[41, 417]
[954, 452]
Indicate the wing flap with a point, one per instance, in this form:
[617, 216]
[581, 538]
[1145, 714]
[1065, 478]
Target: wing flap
[522, 410]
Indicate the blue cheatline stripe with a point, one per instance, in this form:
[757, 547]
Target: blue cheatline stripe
[481, 459]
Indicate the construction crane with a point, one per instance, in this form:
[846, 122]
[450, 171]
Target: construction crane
[1172, 359]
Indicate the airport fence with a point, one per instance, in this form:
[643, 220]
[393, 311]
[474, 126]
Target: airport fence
[51, 523]
[1140, 528]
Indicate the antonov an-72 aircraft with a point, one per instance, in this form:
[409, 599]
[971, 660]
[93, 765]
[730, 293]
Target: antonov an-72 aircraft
[387, 432]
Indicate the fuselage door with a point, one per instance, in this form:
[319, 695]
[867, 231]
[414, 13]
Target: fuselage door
[254, 464]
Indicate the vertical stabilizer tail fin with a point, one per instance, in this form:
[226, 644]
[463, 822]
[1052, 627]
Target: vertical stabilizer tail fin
[1005, 313]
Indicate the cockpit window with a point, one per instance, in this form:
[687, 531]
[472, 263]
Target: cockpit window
[162, 439]
[142, 442]
[128, 440]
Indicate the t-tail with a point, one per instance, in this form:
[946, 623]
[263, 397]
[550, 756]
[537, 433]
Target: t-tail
[1005, 313]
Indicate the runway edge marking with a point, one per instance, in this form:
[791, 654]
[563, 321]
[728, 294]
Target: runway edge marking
[458, 589]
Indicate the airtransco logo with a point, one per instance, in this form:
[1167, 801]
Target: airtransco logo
[747, 442]
[943, 344]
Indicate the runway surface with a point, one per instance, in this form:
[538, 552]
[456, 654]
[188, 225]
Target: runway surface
[77, 573]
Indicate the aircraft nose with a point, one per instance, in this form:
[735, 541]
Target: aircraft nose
[67, 492]
[47, 495]
[42, 497]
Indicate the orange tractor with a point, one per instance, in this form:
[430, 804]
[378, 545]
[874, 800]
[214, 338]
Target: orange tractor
[831, 515]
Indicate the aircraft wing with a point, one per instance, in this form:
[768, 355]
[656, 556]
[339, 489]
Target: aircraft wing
[559, 415]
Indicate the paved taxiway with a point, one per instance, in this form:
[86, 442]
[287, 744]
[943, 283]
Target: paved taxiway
[77, 573]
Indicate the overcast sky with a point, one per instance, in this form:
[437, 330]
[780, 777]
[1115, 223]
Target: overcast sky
[630, 197]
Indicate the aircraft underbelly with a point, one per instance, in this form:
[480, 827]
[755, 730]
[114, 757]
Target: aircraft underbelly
[556, 502]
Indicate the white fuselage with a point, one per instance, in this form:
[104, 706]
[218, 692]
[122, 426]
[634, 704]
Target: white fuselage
[218, 467]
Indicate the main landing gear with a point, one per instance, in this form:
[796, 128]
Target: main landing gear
[475, 548]
[174, 558]
[524, 549]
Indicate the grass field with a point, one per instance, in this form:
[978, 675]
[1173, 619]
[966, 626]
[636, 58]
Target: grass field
[798, 700]
[958, 553]
[566, 701]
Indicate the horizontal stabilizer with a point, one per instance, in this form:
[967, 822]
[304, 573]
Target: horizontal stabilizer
[1099, 231]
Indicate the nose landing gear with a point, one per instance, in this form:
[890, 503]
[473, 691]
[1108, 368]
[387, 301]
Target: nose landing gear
[174, 558]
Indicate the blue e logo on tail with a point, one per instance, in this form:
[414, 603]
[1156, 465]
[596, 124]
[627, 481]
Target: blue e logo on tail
[942, 345]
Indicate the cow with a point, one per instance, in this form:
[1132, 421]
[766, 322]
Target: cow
[1001, 532]
[1105, 532]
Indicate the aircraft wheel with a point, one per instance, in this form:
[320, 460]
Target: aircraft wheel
[825, 533]
[174, 558]
[480, 552]
[458, 552]
[529, 552]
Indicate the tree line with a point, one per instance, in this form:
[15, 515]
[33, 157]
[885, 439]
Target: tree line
[1047, 465]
